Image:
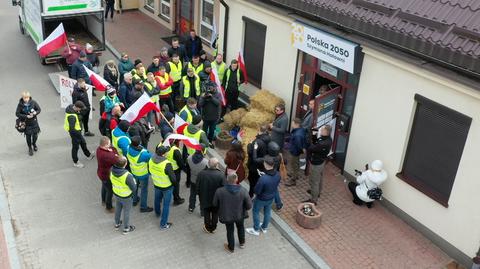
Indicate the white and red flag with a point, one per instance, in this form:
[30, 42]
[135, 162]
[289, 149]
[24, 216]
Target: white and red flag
[54, 41]
[214, 77]
[140, 108]
[179, 124]
[187, 141]
[98, 82]
[241, 65]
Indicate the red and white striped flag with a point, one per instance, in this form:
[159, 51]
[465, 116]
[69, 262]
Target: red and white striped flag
[54, 41]
[98, 82]
[214, 77]
[140, 108]
[187, 141]
[179, 124]
[241, 65]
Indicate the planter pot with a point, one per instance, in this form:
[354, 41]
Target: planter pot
[305, 221]
[223, 141]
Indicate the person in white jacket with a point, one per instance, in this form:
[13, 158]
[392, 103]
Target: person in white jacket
[370, 179]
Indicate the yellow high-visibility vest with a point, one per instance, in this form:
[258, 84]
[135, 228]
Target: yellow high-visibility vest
[189, 114]
[197, 69]
[66, 125]
[187, 86]
[171, 159]
[158, 175]
[138, 169]
[115, 140]
[153, 98]
[164, 80]
[175, 71]
[119, 185]
[220, 69]
[196, 136]
[229, 72]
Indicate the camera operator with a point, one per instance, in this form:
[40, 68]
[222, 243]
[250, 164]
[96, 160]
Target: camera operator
[370, 179]
[210, 106]
[317, 155]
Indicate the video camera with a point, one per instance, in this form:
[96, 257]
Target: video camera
[358, 172]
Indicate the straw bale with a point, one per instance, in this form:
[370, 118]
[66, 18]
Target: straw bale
[256, 118]
[237, 115]
[264, 100]
[247, 138]
[228, 121]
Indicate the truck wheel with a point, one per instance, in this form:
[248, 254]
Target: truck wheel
[20, 24]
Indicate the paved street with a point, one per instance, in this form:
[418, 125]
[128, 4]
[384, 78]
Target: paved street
[56, 209]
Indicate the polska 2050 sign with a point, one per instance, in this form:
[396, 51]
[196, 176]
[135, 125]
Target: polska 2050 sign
[326, 47]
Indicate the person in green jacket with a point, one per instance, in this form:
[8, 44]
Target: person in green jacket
[124, 65]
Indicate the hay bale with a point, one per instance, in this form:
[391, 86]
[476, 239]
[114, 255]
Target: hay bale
[228, 121]
[237, 115]
[264, 100]
[247, 138]
[256, 118]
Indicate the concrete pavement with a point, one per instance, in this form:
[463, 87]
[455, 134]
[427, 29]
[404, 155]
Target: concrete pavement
[59, 222]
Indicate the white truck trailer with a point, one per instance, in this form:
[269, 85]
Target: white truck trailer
[82, 20]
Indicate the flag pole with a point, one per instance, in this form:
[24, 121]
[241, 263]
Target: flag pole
[68, 46]
[163, 116]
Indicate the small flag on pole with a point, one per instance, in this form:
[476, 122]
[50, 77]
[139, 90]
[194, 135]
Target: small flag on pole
[98, 82]
[54, 41]
[241, 64]
[140, 108]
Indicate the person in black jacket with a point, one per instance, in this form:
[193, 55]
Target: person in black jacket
[92, 57]
[73, 126]
[78, 68]
[232, 202]
[317, 154]
[232, 79]
[110, 73]
[210, 106]
[109, 7]
[80, 94]
[262, 139]
[27, 111]
[178, 49]
[193, 45]
[208, 181]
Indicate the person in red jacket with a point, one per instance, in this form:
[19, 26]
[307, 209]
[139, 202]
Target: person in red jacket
[165, 82]
[107, 156]
[71, 54]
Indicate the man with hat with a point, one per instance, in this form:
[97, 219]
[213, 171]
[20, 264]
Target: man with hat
[166, 124]
[136, 92]
[139, 71]
[162, 175]
[123, 185]
[138, 158]
[174, 156]
[73, 126]
[78, 68]
[366, 181]
[111, 99]
[120, 138]
[71, 54]
[194, 131]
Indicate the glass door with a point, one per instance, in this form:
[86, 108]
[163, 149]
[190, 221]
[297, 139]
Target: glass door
[185, 17]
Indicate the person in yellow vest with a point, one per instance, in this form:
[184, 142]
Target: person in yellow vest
[190, 86]
[174, 155]
[138, 158]
[231, 83]
[175, 68]
[195, 64]
[165, 83]
[123, 186]
[194, 131]
[139, 72]
[163, 178]
[189, 110]
[120, 138]
[152, 89]
[219, 66]
[73, 126]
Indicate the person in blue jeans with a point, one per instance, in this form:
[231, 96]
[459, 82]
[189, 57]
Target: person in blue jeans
[138, 158]
[265, 191]
[163, 177]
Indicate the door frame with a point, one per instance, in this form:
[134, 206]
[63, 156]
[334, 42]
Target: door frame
[178, 16]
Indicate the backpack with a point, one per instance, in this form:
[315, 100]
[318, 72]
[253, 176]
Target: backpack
[20, 125]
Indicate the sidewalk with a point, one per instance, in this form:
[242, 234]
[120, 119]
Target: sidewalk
[350, 236]
[4, 264]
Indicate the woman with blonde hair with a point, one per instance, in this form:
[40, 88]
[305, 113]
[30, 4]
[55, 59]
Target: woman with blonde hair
[27, 111]
[110, 73]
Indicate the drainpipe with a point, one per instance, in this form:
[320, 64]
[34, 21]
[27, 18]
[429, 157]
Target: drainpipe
[225, 30]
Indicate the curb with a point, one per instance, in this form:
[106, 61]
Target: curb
[6, 220]
[112, 50]
[285, 230]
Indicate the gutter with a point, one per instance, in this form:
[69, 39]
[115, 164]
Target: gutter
[225, 30]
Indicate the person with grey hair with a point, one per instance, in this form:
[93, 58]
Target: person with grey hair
[163, 57]
[208, 181]
[233, 202]
[123, 185]
[125, 88]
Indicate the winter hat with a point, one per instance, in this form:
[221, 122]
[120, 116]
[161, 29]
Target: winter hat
[136, 140]
[196, 119]
[376, 165]
[169, 116]
[201, 52]
[82, 54]
[124, 125]
[79, 104]
[207, 64]
[160, 150]
[137, 81]
[137, 62]
[110, 90]
[269, 160]
[71, 39]
[88, 46]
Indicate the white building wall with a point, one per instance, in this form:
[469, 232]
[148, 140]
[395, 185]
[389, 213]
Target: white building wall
[380, 130]
[280, 56]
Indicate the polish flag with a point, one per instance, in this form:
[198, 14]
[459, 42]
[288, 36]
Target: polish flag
[179, 124]
[214, 77]
[98, 82]
[241, 64]
[187, 141]
[140, 108]
[54, 41]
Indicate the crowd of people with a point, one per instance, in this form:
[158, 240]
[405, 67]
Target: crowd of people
[179, 81]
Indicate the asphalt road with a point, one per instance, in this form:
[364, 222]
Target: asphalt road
[58, 219]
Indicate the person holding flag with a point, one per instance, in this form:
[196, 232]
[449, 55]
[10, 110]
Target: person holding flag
[80, 66]
[219, 66]
[231, 83]
[210, 105]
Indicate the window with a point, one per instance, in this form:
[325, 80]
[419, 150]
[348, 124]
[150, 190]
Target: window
[150, 5]
[206, 22]
[434, 150]
[253, 50]
[164, 10]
